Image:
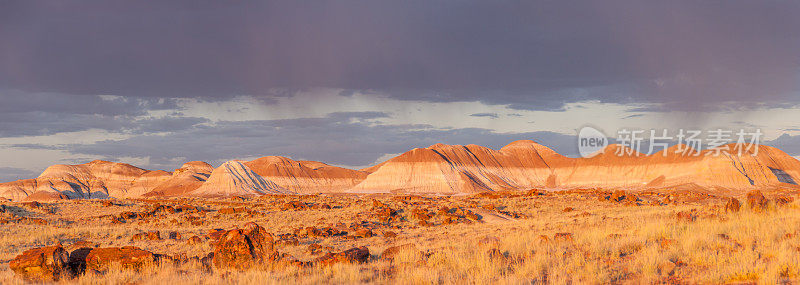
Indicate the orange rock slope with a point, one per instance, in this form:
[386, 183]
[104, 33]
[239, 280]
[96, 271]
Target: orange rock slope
[186, 179]
[445, 169]
[305, 176]
[526, 164]
[96, 179]
[101, 179]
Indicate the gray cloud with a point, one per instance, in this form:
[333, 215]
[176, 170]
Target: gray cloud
[490, 115]
[358, 115]
[166, 124]
[43, 113]
[42, 124]
[337, 140]
[11, 174]
[16, 101]
[787, 143]
[529, 55]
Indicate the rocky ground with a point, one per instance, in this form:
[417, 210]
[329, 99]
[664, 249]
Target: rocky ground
[585, 236]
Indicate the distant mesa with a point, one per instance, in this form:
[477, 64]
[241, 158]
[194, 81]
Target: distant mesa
[183, 180]
[305, 176]
[46, 196]
[440, 168]
[233, 178]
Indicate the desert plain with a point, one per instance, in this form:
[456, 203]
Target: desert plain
[445, 214]
[586, 236]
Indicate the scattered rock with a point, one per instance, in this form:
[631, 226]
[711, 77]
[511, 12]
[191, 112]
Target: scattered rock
[496, 255]
[174, 235]
[472, 216]
[314, 249]
[563, 237]
[244, 248]
[216, 234]
[208, 260]
[194, 240]
[536, 192]
[77, 260]
[665, 243]
[732, 205]
[287, 241]
[385, 212]
[33, 221]
[363, 233]
[231, 210]
[378, 204]
[294, 205]
[392, 252]
[154, 235]
[126, 257]
[631, 199]
[317, 232]
[79, 244]
[756, 201]
[544, 239]
[618, 196]
[622, 197]
[686, 216]
[320, 207]
[33, 205]
[389, 234]
[288, 259]
[151, 235]
[41, 264]
[420, 214]
[783, 200]
[353, 255]
[666, 268]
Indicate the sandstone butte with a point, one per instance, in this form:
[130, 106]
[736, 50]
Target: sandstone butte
[443, 169]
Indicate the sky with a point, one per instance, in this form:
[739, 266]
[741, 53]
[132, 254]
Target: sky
[353, 83]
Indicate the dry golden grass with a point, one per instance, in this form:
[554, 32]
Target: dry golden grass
[610, 242]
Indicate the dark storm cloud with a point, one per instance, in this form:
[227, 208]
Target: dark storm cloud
[337, 141]
[529, 55]
[16, 101]
[44, 113]
[38, 114]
